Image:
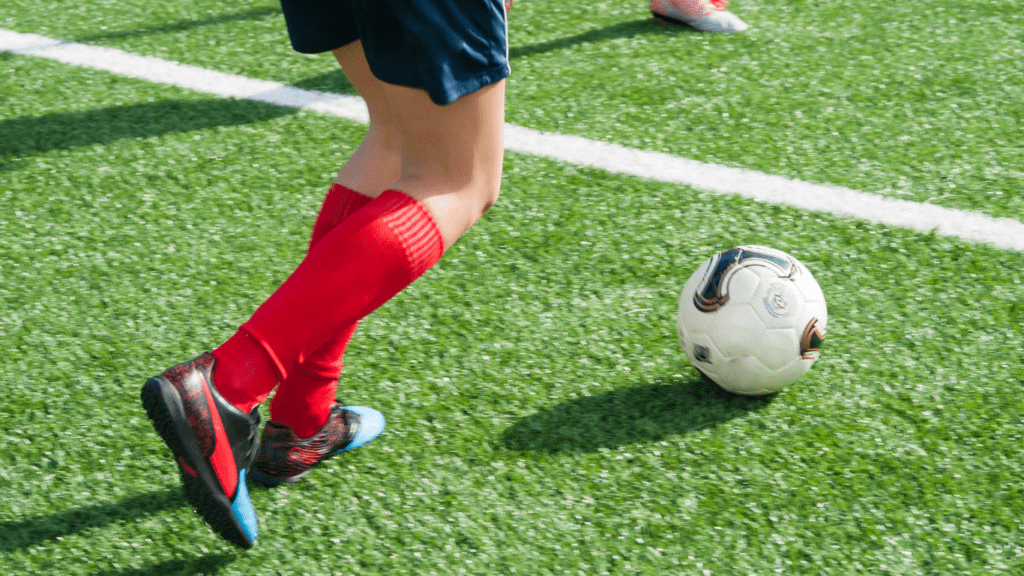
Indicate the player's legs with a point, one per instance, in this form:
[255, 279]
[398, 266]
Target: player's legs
[449, 176]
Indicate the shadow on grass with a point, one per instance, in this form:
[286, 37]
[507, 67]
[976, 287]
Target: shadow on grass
[23, 136]
[630, 415]
[16, 535]
[183, 25]
[620, 30]
[211, 564]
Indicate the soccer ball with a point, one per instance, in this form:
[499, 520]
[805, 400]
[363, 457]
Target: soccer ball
[752, 319]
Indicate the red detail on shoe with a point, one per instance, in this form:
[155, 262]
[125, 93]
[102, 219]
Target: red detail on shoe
[283, 455]
[197, 410]
[688, 9]
[188, 469]
[222, 460]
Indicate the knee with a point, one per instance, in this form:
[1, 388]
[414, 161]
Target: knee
[473, 204]
[485, 197]
[490, 198]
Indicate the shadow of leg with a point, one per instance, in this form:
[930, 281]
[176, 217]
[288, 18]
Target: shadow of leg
[41, 529]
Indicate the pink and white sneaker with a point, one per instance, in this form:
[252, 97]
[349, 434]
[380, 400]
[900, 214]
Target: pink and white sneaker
[704, 15]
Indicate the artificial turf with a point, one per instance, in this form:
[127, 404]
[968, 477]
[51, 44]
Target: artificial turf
[919, 100]
[541, 417]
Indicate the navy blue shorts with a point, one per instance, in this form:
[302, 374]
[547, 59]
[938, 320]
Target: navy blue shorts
[449, 48]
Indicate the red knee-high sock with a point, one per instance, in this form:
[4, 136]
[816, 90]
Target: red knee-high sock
[304, 399]
[358, 266]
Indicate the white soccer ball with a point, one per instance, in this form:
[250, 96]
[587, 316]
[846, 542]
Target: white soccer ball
[752, 319]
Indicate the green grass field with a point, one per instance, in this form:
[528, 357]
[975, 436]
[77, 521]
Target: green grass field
[542, 418]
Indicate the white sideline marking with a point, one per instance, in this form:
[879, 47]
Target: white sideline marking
[919, 216]
[922, 217]
[182, 75]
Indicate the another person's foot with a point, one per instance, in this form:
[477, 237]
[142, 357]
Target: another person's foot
[704, 15]
[213, 444]
[283, 457]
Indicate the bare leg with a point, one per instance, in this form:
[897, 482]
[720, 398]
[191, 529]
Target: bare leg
[377, 162]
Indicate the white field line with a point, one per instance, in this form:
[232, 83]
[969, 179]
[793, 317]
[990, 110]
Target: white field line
[922, 217]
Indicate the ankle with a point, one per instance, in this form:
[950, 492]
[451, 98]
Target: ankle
[244, 374]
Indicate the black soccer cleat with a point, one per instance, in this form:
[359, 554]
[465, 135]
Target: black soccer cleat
[283, 457]
[212, 442]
